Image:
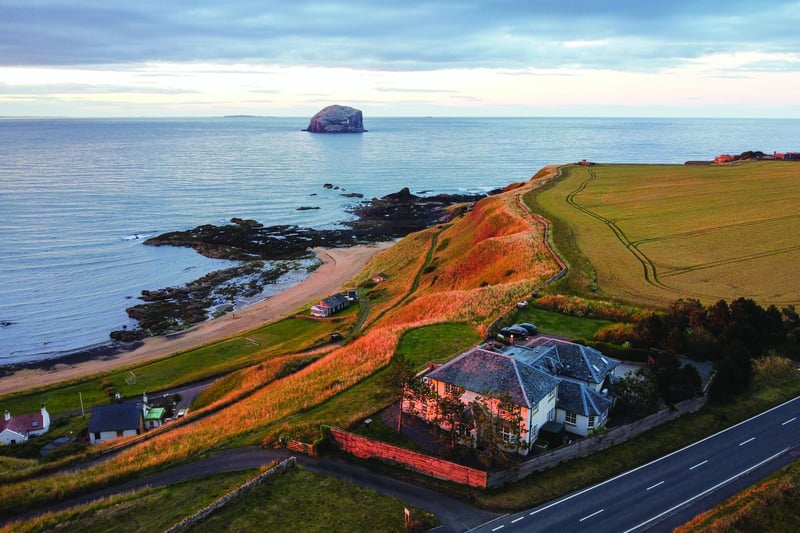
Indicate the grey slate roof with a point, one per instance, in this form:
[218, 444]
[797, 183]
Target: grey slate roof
[577, 361]
[484, 371]
[114, 417]
[580, 399]
[337, 300]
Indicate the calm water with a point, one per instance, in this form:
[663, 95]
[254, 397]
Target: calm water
[78, 196]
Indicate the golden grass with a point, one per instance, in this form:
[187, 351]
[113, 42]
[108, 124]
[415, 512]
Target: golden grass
[656, 233]
[488, 260]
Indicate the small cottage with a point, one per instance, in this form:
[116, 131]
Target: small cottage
[17, 429]
[115, 420]
[331, 305]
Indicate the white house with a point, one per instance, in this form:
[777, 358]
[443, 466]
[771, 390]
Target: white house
[550, 380]
[17, 429]
[499, 379]
[115, 420]
[330, 305]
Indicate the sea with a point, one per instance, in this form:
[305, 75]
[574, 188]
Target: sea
[78, 197]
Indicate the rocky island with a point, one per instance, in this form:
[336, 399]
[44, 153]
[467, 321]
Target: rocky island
[337, 119]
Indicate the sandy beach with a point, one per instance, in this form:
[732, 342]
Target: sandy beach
[338, 266]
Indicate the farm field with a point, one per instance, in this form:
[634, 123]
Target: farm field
[656, 233]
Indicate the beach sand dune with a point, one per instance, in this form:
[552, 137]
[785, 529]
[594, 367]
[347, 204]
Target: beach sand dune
[338, 266]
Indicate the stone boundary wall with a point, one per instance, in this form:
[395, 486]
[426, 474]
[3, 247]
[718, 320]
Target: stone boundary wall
[366, 448]
[224, 500]
[596, 443]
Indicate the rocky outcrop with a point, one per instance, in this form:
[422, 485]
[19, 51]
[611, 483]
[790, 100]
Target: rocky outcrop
[379, 219]
[337, 119]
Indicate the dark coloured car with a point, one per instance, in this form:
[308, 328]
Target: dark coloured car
[530, 328]
[515, 331]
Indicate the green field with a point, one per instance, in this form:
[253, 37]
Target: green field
[656, 233]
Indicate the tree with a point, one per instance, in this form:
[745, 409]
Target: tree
[636, 394]
[399, 378]
[453, 413]
[499, 426]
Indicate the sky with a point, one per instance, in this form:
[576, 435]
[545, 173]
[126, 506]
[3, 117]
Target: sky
[628, 58]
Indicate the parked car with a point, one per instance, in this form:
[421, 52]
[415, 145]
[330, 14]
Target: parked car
[527, 326]
[514, 330]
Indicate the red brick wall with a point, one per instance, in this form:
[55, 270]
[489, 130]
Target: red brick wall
[301, 447]
[365, 448]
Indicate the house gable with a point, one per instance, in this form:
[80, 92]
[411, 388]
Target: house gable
[580, 399]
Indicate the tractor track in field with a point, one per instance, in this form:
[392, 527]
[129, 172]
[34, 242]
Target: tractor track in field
[731, 261]
[649, 270]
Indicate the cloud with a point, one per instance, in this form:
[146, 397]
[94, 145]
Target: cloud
[408, 35]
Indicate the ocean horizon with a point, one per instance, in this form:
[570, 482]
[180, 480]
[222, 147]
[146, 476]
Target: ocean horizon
[79, 196]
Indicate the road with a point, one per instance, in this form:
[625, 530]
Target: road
[454, 515]
[669, 491]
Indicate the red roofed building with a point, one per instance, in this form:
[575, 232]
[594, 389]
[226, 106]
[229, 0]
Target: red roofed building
[724, 158]
[16, 429]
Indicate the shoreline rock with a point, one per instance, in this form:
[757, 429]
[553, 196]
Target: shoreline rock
[378, 220]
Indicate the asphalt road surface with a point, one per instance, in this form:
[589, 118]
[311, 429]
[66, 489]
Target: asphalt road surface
[671, 490]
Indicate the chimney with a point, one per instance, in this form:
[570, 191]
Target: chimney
[45, 418]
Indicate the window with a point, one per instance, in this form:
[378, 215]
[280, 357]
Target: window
[464, 432]
[571, 418]
[424, 407]
[533, 432]
[551, 415]
[591, 422]
[536, 408]
[455, 390]
[507, 434]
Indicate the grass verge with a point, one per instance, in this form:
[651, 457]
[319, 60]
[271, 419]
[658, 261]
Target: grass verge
[285, 504]
[150, 509]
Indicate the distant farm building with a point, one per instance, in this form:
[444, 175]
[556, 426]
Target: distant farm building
[724, 158]
[333, 304]
[18, 429]
[792, 156]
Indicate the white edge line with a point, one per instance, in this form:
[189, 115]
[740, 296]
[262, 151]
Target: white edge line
[587, 489]
[712, 489]
[591, 515]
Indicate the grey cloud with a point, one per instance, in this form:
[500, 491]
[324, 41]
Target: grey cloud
[409, 35]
